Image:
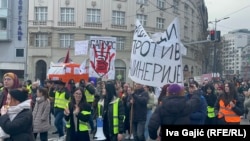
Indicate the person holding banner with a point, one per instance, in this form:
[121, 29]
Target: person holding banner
[111, 110]
[139, 100]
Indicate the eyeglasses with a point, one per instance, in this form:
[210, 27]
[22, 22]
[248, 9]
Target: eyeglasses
[79, 94]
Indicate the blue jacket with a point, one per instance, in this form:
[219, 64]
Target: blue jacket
[199, 116]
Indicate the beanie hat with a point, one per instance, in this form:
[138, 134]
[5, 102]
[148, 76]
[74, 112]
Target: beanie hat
[174, 89]
[19, 94]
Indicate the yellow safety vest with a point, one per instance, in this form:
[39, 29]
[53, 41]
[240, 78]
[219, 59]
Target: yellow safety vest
[60, 101]
[210, 112]
[29, 88]
[89, 97]
[1, 89]
[83, 126]
[115, 115]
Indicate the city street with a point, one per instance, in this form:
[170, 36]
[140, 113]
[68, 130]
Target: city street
[53, 137]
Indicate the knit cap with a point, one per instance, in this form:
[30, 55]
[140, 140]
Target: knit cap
[174, 89]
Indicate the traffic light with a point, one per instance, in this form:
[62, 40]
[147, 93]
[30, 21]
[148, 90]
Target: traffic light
[212, 35]
[217, 36]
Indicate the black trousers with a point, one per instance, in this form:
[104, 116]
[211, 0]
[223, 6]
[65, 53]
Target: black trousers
[43, 136]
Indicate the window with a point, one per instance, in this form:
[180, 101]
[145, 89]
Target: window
[120, 43]
[161, 3]
[94, 15]
[176, 6]
[19, 52]
[3, 24]
[67, 15]
[160, 23]
[141, 1]
[3, 3]
[66, 40]
[142, 18]
[41, 40]
[41, 13]
[118, 18]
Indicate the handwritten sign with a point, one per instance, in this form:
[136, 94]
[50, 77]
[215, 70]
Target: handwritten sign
[102, 57]
[159, 61]
[81, 47]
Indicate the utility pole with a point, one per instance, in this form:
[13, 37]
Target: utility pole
[216, 39]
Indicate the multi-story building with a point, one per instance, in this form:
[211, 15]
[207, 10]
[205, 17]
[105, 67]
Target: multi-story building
[13, 36]
[234, 43]
[245, 68]
[54, 25]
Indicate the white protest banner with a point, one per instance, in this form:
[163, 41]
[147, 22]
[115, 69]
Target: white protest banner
[156, 63]
[102, 54]
[81, 47]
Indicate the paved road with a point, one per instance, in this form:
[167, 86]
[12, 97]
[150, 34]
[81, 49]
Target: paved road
[53, 137]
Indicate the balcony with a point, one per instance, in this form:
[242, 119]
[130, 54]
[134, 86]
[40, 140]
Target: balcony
[115, 26]
[66, 24]
[39, 22]
[97, 25]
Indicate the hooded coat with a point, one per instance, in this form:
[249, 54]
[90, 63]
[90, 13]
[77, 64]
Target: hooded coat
[174, 110]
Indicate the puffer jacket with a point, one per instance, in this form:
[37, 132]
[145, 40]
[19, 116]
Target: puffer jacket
[41, 116]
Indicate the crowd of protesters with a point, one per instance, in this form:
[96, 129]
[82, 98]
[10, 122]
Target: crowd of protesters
[128, 111]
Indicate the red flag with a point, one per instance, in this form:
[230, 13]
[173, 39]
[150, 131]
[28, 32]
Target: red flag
[66, 60]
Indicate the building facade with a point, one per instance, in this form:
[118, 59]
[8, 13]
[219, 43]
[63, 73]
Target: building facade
[54, 25]
[235, 47]
[13, 36]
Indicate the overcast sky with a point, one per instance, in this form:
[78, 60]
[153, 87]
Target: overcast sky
[237, 10]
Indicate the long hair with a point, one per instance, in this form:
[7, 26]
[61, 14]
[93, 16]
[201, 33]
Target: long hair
[110, 93]
[231, 95]
[44, 92]
[163, 92]
[82, 101]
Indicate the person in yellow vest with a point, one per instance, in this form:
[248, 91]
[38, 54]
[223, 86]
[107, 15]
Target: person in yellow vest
[62, 96]
[210, 96]
[29, 86]
[89, 92]
[228, 106]
[77, 115]
[111, 110]
[1, 86]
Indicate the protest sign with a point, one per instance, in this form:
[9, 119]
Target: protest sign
[159, 61]
[81, 47]
[102, 57]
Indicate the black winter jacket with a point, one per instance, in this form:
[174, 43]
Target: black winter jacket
[140, 105]
[175, 110]
[20, 129]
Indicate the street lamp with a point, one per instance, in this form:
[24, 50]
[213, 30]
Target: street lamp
[216, 39]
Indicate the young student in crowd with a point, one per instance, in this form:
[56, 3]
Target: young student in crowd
[198, 116]
[41, 114]
[16, 116]
[77, 115]
[228, 107]
[139, 100]
[111, 109]
[211, 99]
[174, 110]
[10, 81]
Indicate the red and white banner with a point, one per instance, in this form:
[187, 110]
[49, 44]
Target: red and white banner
[102, 57]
